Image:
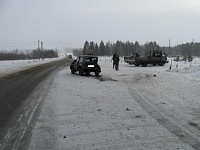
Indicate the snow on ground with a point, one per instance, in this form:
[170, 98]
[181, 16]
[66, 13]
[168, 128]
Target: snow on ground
[12, 66]
[133, 108]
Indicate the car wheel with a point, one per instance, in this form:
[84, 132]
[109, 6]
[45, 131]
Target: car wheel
[144, 65]
[96, 73]
[80, 71]
[87, 73]
[72, 70]
[162, 64]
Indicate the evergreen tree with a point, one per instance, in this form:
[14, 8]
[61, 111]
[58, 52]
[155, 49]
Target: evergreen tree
[86, 47]
[96, 50]
[91, 47]
[118, 48]
[137, 47]
[127, 48]
[109, 48]
[102, 48]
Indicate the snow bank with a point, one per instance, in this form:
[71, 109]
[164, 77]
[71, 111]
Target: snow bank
[12, 66]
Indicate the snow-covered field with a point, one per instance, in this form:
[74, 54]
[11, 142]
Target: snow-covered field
[146, 108]
[12, 66]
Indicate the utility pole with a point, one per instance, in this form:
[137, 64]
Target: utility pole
[169, 45]
[42, 49]
[39, 49]
[192, 47]
[41, 46]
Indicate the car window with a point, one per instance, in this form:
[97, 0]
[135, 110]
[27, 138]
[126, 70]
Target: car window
[81, 59]
[163, 55]
[91, 59]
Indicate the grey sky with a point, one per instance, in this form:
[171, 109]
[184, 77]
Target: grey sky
[69, 23]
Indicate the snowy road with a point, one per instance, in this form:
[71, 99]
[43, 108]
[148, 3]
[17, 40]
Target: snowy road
[21, 96]
[133, 108]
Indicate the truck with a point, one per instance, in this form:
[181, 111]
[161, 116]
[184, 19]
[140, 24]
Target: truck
[131, 59]
[156, 57]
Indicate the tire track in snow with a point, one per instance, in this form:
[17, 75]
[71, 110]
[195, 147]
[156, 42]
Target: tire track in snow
[163, 120]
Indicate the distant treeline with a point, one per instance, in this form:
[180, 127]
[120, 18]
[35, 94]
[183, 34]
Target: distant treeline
[127, 48]
[34, 54]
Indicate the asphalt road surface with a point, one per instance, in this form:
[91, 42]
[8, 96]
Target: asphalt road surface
[20, 102]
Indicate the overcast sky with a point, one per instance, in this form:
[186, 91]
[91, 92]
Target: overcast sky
[69, 23]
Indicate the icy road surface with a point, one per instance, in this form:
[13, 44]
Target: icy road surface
[140, 108]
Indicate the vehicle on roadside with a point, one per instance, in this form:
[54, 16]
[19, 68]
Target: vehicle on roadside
[85, 64]
[155, 57]
[70, 56]
[130, 59]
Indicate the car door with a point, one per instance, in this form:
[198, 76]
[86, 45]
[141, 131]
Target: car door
[76, 63]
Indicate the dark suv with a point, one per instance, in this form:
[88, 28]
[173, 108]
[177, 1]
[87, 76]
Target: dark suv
[85, 64]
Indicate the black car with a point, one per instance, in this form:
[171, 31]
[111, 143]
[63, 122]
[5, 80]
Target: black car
[85, 64]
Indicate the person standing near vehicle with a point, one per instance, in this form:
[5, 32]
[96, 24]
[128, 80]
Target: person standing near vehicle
[113, 59]
[116, 62]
